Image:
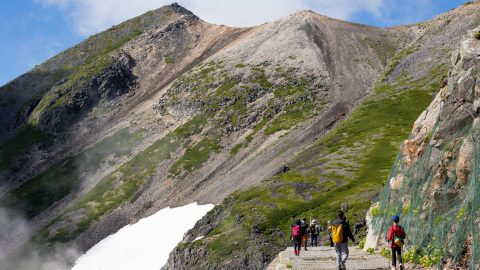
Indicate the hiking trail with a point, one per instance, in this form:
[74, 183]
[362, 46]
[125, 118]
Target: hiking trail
[323, 258]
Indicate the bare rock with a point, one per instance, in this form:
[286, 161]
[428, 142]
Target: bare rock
[396, 182]
[464, 163]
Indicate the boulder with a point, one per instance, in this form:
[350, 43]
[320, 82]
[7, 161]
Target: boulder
[426, 121]
[465, 88]
[396, 182]
[373, 236]
[412, 149]
[464, 163]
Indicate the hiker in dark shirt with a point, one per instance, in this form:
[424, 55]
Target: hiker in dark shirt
[314, 231]
[304, 232]
[340, 233]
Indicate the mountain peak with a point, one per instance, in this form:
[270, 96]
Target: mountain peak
[179, 9]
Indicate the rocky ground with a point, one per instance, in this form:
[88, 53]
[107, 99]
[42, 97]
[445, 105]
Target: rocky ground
[323, 258]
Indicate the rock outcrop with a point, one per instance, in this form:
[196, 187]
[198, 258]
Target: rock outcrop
[434, 184]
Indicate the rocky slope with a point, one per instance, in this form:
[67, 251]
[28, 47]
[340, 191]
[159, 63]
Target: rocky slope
[166, 109]
[435, 180]
[176, 108]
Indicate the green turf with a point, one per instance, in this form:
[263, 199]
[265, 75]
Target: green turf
[195, 156]
[27, 136]
[121, 185]
[379, 124]
[60, 180]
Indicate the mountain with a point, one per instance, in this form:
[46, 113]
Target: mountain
[297, 117]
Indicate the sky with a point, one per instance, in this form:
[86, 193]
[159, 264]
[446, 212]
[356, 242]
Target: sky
[32, 31]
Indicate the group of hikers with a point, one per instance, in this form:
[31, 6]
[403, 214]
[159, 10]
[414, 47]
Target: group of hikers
[339, 232]
[300, 232]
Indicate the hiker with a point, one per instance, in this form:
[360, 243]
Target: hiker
[304, 232]
[340, 233]
[314, 231]
[296, 237]
[395, 237]
[330, 233]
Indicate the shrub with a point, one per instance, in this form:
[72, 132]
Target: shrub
[362, 243]
[386, 252]
[371, 250]
[169, 59]
[375, 210]
[428, 257]
[428, 137]
[477, 35]
[236, 148]
[409, 256]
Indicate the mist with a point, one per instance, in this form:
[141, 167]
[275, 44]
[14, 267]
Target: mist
[19, 252]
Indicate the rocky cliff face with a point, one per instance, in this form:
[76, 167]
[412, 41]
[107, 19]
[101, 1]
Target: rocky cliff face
[434, 183]
[295, 117]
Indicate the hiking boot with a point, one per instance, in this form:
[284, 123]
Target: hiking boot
[401, 267]
[343, 266]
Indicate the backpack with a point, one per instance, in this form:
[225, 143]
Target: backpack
[296, 231]
[398, 236]
[304, 228]
[312, 229]
[337, 233]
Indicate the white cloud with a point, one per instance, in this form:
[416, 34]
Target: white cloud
[91, 16]
[58, 3]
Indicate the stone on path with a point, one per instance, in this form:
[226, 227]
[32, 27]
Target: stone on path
[323, 258]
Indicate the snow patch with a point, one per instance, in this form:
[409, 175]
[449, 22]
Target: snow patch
[198, 238]
[144, 245]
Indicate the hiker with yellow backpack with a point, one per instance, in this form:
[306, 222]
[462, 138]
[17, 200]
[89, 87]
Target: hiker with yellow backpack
[340, 230]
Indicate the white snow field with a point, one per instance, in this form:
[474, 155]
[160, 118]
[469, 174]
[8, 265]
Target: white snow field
[144, 245]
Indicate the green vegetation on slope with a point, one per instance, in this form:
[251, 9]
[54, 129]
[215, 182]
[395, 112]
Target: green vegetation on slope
[38, 193]
[94, 63]
[396, 59]
[227, 98]
[383, 49]
[58, 76]
[195, 156]
[347, 167]
[26, 137]
[121, 185]
[227, 103]
[82, 62]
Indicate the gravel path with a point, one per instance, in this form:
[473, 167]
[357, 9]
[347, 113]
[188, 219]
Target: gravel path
[323, 258]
